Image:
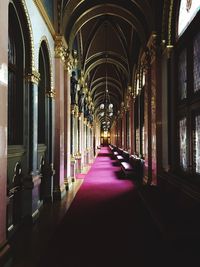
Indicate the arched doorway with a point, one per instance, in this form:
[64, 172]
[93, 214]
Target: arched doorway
[44, 122]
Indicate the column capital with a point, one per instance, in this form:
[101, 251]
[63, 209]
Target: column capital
[60, 47]
[33, 77]
[51, 93]
[152, 46]
[68, 62]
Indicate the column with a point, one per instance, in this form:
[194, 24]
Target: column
[67, 124]
[49, 169]
[4, 247]
[147, 124]
[59, 186]
[80, 144]
[32, 182]
[132, 126]
[85, 142]
[91, 144]
[76, 141]
[73, 161]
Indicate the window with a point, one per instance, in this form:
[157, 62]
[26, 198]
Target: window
[182, 75]
[187, 107]
[188, 10]
[196, 63]
[196, 144]
[15, 80]
[183, 143]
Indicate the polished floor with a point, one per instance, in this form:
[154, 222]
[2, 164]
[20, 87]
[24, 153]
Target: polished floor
[106, 225]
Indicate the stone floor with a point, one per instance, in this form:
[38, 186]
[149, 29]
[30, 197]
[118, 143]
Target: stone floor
[29, 242]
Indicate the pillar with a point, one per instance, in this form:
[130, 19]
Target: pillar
[153, 113]
[147, 123]
[67, 124]
[32, 181]
[59, 186]
[73, 161]
[48, 170]
[80, 154]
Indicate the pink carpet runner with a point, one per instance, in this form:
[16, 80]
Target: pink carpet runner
[106, 225]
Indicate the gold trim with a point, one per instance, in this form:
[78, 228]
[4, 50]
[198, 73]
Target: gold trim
[34, 77]
[68, 63]
[30, 32]
[60, 48]
[170, 22]
[169, 49]
[44, 38]
[45, 16]
[51, 93]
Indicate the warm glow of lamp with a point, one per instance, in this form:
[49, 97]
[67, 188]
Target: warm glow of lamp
[102, 106]
[105, 134]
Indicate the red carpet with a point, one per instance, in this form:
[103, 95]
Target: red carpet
[106, 225]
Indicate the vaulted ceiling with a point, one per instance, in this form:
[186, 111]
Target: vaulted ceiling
[109, 35]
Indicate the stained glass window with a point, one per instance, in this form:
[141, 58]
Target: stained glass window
[188, 10]
[183, 143]
[182, 75]
[197, 144]
[196, 67]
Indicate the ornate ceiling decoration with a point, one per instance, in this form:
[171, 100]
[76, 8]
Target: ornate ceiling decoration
[129, 25]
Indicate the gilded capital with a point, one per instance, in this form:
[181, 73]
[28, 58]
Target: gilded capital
[34, 77]
[51, 93]
[169, 49]
[60, 48]
[68, 62]
[76, 111]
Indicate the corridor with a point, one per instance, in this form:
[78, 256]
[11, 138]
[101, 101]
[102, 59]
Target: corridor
[84, 87]
[107, 225]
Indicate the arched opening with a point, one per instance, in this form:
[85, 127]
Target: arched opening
[19, 65]
[44, 86]
[15, 79]
[43, 114]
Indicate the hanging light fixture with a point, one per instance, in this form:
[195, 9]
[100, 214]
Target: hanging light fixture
[106, 108]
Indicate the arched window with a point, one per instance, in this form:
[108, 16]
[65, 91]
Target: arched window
[44, 86]
[188, 91]
[15, 80]
[188, 10]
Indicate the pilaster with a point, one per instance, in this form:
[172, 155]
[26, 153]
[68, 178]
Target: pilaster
[59, 145]
[67, 124]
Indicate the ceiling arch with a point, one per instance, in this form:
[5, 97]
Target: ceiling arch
[97, 11]
[129, 24]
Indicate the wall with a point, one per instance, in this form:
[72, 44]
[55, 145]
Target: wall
[3, 116]
[40, 32]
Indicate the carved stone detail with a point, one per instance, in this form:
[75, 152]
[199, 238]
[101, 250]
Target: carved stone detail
[34, 77]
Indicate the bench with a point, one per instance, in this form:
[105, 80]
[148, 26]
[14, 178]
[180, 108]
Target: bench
[134, 168]
[117, 152]
[123, 157]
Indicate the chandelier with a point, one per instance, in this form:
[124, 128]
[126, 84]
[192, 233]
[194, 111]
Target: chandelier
[106, 107]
